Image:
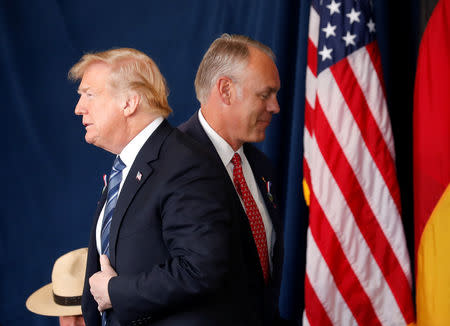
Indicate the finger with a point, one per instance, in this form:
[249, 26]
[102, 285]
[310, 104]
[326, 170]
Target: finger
[104, 263]
[93, 278]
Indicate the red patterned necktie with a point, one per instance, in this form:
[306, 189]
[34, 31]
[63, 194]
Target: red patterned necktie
[254, 217]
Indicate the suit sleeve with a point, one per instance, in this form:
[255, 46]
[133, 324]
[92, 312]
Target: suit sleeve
[195, 230]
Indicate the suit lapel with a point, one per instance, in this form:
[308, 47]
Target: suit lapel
[262, 177]
[139, 172]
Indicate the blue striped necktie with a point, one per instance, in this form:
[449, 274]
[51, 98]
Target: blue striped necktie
[113, 192]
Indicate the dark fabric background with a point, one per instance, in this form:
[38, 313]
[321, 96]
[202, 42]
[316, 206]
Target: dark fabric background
[53, 179]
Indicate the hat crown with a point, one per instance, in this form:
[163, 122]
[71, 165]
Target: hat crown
[68, 273]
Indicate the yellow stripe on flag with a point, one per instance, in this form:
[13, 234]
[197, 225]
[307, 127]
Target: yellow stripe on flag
[433, 267]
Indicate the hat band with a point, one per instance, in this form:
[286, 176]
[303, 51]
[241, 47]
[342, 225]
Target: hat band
[67, 301]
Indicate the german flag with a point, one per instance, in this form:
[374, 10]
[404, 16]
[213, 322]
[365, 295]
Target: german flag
[432, 170]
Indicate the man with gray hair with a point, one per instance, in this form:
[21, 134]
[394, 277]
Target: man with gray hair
[237, 84]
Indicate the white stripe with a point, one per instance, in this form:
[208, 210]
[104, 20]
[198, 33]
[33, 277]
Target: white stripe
[353, 244]
[106, 225]
[112, 198]
[106, 248]
[310, 89]
[306, 147]
[305, 319]
[322, 282]
[368, 80]
[369, 177]
[314, 24]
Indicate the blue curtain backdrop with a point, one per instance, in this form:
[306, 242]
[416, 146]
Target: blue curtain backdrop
[52, 179]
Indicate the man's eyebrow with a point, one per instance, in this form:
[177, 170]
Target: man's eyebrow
[270, 89]
[83, 89]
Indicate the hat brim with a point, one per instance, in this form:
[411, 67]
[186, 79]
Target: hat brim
[41, 302]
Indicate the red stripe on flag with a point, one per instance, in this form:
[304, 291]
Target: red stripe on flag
[309, 116]
[356, 101]
[306, 173]
[375, 57]
[314, 309]
[343, 274]
[364, 216]
[312, 57]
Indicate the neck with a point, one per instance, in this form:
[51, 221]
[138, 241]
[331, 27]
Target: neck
[217, 121]
[133, 128]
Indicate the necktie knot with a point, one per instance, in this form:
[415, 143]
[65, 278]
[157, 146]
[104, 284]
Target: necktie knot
[118, 164]
[236, 160]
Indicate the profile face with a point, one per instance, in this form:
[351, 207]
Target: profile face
[256, 99]
[100, 108]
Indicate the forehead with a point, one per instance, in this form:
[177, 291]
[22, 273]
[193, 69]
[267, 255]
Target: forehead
[262, 69]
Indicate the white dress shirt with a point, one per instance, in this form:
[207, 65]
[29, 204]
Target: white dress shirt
[226, 153]
[128, 155]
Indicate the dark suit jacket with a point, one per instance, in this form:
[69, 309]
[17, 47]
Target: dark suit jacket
[263, 299]
[169, 241]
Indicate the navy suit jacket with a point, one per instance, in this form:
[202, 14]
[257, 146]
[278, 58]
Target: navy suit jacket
[262, 298]
[170, 241]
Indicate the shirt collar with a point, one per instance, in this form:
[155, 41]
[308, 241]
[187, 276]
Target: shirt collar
[130, 151]
[224, 149]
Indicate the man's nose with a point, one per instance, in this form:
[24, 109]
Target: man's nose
[79, 108]
[273, 105]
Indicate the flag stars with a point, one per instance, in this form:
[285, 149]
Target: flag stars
[353, 16]
[371, 26]
[334, 7]
[349, 39]
[326, 53]
[329, 30]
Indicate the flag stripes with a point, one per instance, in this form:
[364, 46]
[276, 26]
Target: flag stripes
[357, 269]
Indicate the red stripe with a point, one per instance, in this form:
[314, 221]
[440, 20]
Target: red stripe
[343, 274]
[375, 57]
[354, 97]
[313, 307]
[309, 116]
[364, 217]
[307, 173]
[312, 57]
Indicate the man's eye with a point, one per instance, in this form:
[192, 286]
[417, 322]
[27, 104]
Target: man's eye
[264, 96]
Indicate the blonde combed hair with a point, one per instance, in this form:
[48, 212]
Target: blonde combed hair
[131, 70]
[227, 56]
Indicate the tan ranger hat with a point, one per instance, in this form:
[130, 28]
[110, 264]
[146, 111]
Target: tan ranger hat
[62, 297]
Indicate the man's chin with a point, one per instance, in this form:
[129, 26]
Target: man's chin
[89, 140]
[257, 138]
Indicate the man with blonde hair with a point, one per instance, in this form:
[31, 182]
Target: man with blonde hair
[160, 241]
[237, 84]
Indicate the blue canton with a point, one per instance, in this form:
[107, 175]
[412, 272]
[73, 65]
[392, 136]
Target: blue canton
[345, 26]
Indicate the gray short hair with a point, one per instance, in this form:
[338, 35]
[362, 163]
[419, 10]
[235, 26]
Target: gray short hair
[227, 56]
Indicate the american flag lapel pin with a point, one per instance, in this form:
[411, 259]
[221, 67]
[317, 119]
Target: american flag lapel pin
[139, 176]
[105, 182]
[269, 194]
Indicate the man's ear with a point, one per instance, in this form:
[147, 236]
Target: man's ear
[131, 103]
[225, 88]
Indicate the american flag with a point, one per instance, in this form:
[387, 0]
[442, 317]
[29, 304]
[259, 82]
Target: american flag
[358, 269]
